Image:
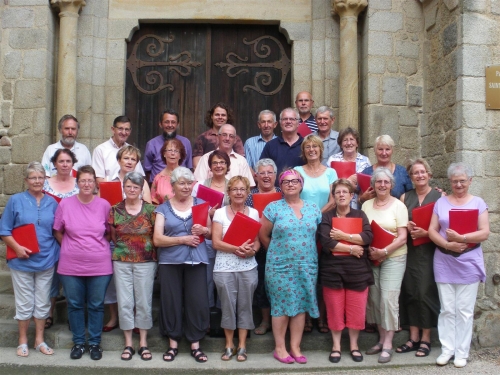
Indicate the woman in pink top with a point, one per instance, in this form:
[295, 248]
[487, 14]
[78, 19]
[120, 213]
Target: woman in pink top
[173, 154]
[85, 260]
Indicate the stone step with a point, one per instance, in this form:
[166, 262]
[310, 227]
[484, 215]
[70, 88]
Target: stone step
[6, 283]
[257, 363]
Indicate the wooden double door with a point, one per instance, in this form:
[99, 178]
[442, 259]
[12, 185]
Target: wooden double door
[190, 67]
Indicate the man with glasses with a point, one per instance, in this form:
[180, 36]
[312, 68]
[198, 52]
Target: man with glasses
[254, 145]
[285, 150]
[153, 162]
[324, 121]
[239, 166]
[68, 127]
[104, 157]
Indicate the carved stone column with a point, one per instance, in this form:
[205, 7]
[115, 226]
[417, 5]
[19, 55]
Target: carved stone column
[348, 10]
[66, 67]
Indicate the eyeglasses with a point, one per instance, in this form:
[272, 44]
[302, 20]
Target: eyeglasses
[310, 147]
[132, 188]
[383, 182]
[225, 135]
[342, 192]
[293, 182]
[173, 151]
[33, 179]
[461, 182]
[221, 163]
[238, 190]
[289, 119]
[86, 182]
[125, 130]
[184, 183]
[264, 174]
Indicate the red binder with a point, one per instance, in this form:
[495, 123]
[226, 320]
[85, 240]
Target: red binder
[464, 221]
[381, 238]
[349, 225]
[111, 191]
[261, 200]
[200, 215]
[210, 195]
[303, 129]
[53, 196]
[241, 229]
[363, 181]
[25, 235]
[344, 169]
[74, 172]
[422, 218]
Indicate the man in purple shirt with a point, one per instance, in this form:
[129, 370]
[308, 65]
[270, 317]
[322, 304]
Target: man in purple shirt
[153, 163]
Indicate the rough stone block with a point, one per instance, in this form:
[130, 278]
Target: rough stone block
[408, 117]
[472, 139]
[42, 121]
[115, 72]
[415, 96]
[27, 38]
[479, 29]
[5, 155]
[479, 6]
[30, 94]
[332, 29]
[407, 67]
[318, 72]
[101, 28]
[491, 165]
[449, 38]
[99, 72]
[495, 6]
[392, 66]
[430, 13]
[373, 90]
[414, 25]
[331, 48]
[332, 71]
[44, 17]
[98, 99]
[301, 74]
[470, 89]
[385, 21]
[12, 177]
[15, 3]
[86, 24]
[34, 64]
[318, 51]
[376, 65]
[379, 44]
[6, 112]
[318, 91]
[22, 122]
[85, 46]
[99, 48]
[18, 18]
[408, 138]
[117, 49]
[12, 64]
[319, 9]
[84, 98]
[84, 70]
[292, 30]
[407, 49]
[471, 115]
[97, 126]
[394, 91]
[301, 53]
[471, 60]
[114, 99]
[7, 91]
[381, 4]
[318, 29]
[381, 120]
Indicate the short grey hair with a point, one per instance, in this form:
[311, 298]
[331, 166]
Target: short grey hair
[181, 172]
[265, 163]
[290, 109]
[385, 171]
[456, 169]
[67, 117]
[34, 166]
[324, 109]
[135, 177]
[267, 112]
[220, 129]
[385, 139]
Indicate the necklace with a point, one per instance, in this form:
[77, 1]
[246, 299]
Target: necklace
[242, 211]
[381, 205]
[217, 186]
[339, 215]
[314, 172]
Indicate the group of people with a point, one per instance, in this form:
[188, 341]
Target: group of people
[299, 266]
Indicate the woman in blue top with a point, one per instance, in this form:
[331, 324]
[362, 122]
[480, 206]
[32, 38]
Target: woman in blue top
[384, 147]
[31, 273]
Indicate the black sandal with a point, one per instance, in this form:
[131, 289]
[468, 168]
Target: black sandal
[144, 352]
[170, 354]
[129, 352]
[197, 354]
[423, 350]
[49, 322]
[406, 349]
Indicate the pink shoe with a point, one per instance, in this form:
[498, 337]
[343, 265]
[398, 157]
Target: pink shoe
[300, 359]
[286, 360]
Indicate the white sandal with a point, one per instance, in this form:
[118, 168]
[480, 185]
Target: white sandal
[43, 345]
[22, 350]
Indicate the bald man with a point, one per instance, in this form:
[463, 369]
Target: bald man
[304, 103]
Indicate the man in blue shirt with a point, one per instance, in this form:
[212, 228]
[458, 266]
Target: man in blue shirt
[285, 150]
[254, 145]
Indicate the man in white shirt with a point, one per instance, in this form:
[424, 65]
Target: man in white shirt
[239, 165]
[68, 127]
[104, 156]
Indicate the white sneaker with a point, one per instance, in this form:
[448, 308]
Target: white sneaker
[443, 359]
[460, 362]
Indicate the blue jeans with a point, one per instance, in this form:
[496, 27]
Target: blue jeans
[80, 290]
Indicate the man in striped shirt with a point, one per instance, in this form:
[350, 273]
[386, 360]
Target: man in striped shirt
[254, 145]
[304, 102]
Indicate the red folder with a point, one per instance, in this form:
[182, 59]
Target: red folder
[261, 200]
[111, 191]
[210, 195]
[344, 169]
[241, 229]
[303, 129]
[200, 215]
[421, 216]
[53, 196]
[464, 221]
[74, 172]
[349, 225]
[363, 181]
[25, 235]
[381, 238]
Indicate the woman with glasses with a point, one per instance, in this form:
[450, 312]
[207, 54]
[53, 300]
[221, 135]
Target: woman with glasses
[419, 301]
[458, 265]
[173, 154]
[235, 271]
[182, 268]
[289, 233]
[31, 273]
[383, 298]
[81, 226]
[266, 178]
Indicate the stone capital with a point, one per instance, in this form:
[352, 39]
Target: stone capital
[68, 6]
[348, 8]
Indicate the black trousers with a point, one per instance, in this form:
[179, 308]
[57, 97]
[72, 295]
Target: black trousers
[183, 294]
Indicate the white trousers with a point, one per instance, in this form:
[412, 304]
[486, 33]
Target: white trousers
[32, 293]
[456, 317]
